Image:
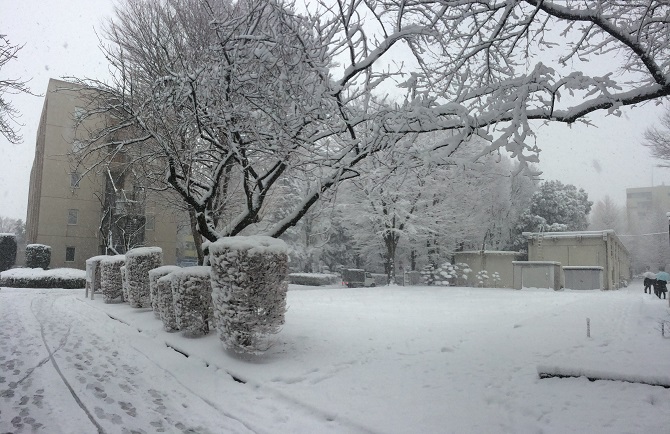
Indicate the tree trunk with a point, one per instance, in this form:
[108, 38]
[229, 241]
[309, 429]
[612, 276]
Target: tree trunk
[197, 239]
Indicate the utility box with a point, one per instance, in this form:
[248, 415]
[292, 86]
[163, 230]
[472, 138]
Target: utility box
[537, 274]
[583, 277]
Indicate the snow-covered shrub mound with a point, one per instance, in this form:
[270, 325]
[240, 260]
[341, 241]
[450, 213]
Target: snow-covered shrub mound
[249, 283]
[154, 275]
[165, 304]
[124, 282]
[138, 263]
[38, 256]
[68, 278]
[482, 278]
[192, 299]
[7, 251]
[111, 282]
[93, 278]
[313, 279]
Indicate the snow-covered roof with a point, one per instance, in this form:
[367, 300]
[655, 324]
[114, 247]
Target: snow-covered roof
[7, 234]
[573, 234]
[535, 263]
[254, 244]
[582, 267]
[38, 245]
[488, 252]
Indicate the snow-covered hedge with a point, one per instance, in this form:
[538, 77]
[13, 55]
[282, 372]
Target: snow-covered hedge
[192, 299]
[7, 251]
[249, 283]
[154, 275]
[38, 256]
[93, 278]
[313, 279]
[111, 282]
[165, 304]
[69, 278]
[138, 263]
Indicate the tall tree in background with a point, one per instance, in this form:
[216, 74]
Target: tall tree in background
[255, 88]
[555, 207]
[9, 123]
[608, 215]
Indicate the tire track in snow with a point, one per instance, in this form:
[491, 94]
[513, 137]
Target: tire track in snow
[57, 368]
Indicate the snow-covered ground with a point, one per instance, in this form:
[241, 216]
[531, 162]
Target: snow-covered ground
[381, 360]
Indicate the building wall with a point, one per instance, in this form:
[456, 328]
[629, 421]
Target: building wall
[51, 195]
[588, 248]
[492, 262]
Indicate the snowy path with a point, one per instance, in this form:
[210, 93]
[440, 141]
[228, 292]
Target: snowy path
[49, 352]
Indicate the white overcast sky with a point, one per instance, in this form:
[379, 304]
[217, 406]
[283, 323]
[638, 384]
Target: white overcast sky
[60, 40]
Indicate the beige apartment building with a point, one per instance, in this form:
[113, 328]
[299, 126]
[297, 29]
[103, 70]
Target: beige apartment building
[81, 214]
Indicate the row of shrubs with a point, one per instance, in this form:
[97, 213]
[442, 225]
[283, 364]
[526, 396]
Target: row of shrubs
[69, 278]
[242, 293]
[37, 255]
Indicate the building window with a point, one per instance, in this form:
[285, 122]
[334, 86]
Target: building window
[150, 223]
[75, 177]
[69, 254]
[72, 216]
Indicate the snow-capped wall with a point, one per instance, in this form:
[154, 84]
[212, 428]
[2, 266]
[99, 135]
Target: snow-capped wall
[138, 263]
[249, 283]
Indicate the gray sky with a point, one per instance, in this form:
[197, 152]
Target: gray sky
[60, 40]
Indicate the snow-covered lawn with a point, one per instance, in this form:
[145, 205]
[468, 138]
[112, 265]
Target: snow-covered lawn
[382, 360]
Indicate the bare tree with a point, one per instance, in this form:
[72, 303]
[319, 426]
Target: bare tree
[9, 115]
[607, 215]
[236, 96]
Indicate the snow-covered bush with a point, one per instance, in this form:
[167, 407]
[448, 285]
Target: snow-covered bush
[124, 282]
[452, 274]
[313, 279]
[482, 278]
[154, 275]
[7, 251]
[192, 299]
[38, 256]
[111, 282]
[165, 304]
[428, 274]
[93, 278]
[68, 278]
[496, 279]
[138, 263]
[249, 283]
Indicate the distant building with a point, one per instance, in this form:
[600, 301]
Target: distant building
[642, 203]
[81, 215]
[583, 249]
